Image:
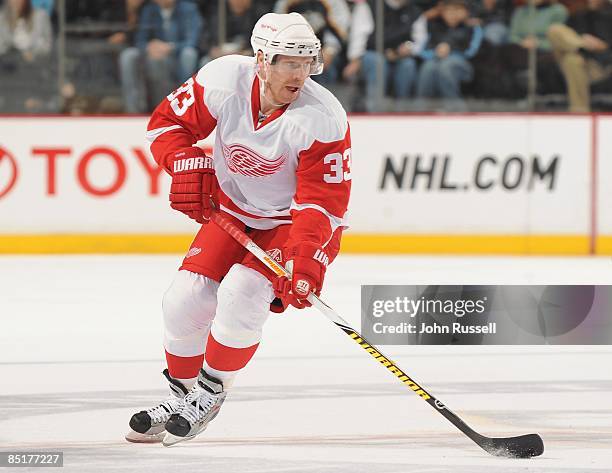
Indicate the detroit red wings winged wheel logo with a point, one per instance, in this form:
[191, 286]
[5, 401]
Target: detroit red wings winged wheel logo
[243, 160]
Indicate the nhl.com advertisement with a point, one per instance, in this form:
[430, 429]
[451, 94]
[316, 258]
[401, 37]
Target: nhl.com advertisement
[465, 325]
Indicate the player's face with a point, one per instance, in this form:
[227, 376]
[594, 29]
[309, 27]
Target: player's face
[287, 76]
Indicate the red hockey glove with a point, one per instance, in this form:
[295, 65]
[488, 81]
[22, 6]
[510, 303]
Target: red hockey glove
[307, 263]
[193, 184]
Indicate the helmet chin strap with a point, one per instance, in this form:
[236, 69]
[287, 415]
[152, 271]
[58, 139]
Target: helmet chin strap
[262, 88]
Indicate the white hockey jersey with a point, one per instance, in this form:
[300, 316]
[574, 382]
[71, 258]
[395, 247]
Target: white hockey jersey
[294, 167]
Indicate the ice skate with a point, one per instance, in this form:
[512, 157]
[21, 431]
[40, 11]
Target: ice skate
[150, 426]
[201, 406]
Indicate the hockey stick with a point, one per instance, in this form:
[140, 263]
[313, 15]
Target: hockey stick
[523, 446]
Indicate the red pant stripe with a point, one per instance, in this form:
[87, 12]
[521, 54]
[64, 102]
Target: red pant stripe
[223, 358]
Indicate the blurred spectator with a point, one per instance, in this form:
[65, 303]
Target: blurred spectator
[46, 5]
[25, 44]
[583, 49]
[361, 27]
[451, 43]
[132, 13]
[493, 17]
[24, 30]
[330, 21]
[528, 28]
[241, 18]
[166, 40]
[95, 40]
[404, 35]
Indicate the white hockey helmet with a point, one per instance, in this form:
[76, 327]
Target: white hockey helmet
[288, 34]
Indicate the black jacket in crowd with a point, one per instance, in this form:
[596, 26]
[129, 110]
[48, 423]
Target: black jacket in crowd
[463, 39]
[597, 23]
[501, 13]
[397, 25]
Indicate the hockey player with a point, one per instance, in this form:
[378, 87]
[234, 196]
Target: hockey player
[280, 170]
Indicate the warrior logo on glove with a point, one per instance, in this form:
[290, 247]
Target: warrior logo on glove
[189, 164]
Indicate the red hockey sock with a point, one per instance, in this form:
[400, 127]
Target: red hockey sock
[223, 358]
[184, 367]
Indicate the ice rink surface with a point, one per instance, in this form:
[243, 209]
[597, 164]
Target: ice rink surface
[80, 351]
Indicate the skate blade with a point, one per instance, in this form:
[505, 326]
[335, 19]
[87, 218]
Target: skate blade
[136, 437]
[170, 439]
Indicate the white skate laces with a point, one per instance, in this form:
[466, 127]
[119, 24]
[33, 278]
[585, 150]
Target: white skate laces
[200, 406]
[161, 413]
[197, 404]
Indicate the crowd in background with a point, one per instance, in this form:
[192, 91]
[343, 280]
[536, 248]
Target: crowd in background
[126, 55]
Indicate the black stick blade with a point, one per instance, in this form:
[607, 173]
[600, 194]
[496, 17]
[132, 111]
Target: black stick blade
[523, 446]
